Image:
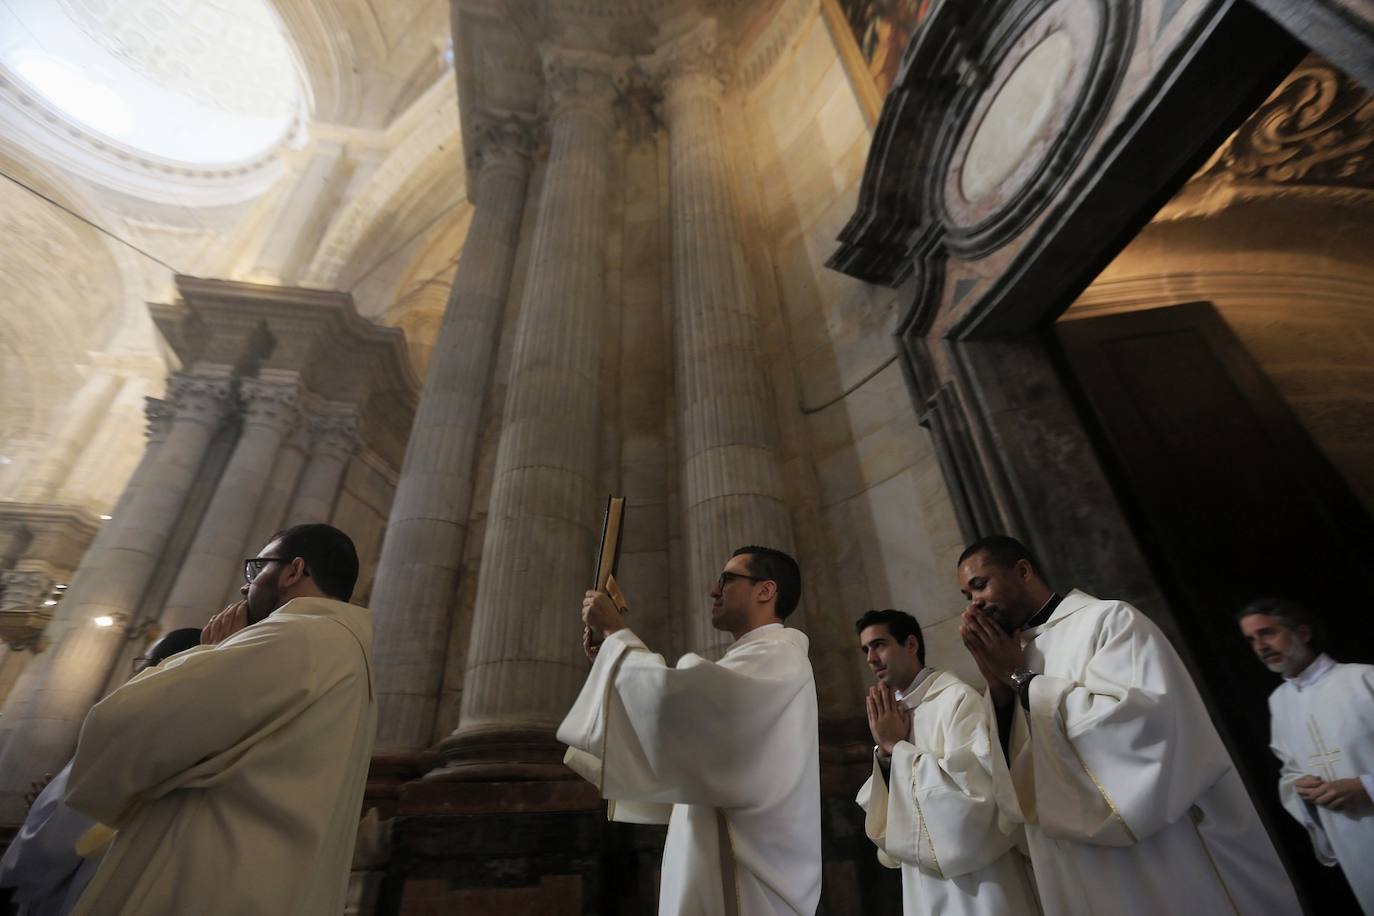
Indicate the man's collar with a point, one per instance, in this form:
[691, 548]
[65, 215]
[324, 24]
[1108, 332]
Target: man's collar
[925, 672]
[1313, 673]
[1044, 613]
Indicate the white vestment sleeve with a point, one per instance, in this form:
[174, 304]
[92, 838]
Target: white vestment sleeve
[43, 854]
[647, 733]
[941, 812]
[1128, 751]
[187, 720]
[1294, 803]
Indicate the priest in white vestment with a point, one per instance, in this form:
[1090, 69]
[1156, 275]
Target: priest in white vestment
[726, 753]
[1132, 804]
[1323, 734]
[234, 772]
[939, 804]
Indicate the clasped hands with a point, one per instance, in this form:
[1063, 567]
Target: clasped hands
[888, 720]
[1338, 794]
[603, 613]
[996, 652]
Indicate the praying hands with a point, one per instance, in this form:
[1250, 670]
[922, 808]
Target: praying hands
[996, 653]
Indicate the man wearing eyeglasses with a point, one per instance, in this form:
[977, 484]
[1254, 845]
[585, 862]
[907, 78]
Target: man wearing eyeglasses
[234, 772]
[724, 752]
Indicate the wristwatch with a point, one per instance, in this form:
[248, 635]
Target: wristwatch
[1020, 679]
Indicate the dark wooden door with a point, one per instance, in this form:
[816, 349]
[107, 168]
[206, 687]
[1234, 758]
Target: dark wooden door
[1232, 500]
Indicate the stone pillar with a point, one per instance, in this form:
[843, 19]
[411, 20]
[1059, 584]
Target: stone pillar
[213, 562]
[334, 438]
[731, 476]
[61, 684]
[417, 578]
[81, 417]
[524, 662]
[276, 499]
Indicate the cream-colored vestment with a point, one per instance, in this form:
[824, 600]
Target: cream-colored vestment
[234, 773]
[1131, 802]
[945, 814]
[726, 753]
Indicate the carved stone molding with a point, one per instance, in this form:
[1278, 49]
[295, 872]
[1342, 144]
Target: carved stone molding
[336, 434]
[693, 62]
[583, 81]
[1316, 129]
[159, 414]
[200, 400]
[504, 142]
[269, 404]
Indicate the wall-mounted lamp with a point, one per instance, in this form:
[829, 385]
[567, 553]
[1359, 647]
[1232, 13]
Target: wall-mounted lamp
[103, 621]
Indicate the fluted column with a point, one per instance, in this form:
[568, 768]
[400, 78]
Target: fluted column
[417, 577]
[731, 475]
[334, 438]
[276, 499]
[61, 684]
[212, 563]
[524, 664]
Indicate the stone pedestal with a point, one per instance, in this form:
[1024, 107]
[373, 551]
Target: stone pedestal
[417, 580]
[64, 682]
[731, 477]
[524, 661]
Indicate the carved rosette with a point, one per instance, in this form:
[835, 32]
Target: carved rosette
[268, 404]
[200, 400]
[1317, 128]
[336, 435]
[159, 414]
[583, 81]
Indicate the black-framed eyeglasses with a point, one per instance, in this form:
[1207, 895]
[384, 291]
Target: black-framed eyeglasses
[253, 566]
[727, 577]
[143, 661]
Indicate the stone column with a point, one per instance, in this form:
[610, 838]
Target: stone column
[81, 418]
[334, 438]
[276, 499]
[417, 577]
[213, 562]
[524, 663]
[731, 476]
[61, 684]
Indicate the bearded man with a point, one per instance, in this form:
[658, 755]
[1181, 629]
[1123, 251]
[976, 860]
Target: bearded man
[234, 772]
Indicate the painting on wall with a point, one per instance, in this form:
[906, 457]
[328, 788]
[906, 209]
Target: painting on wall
[872, 36]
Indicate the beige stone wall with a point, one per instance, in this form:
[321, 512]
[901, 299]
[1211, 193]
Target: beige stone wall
[1291, 275]
[884, 529]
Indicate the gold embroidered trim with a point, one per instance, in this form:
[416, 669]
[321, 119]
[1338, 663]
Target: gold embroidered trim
[1195, 815]
[1101, 789]
[922, 830]
[729, 877]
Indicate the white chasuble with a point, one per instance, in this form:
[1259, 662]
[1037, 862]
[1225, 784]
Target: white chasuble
[946, 814]
[1132, 804]
[234, 773]
[726, 753]
[1323, 726]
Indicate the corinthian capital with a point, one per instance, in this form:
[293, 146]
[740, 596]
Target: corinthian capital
[200, 400]
[269, 404]
[691, 62]
[503, 142]
[583, 81]
[337, 435]
[159, 414]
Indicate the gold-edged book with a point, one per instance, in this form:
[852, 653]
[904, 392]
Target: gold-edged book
[608, 554]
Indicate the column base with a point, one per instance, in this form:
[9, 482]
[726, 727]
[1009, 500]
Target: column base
[501, 753]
